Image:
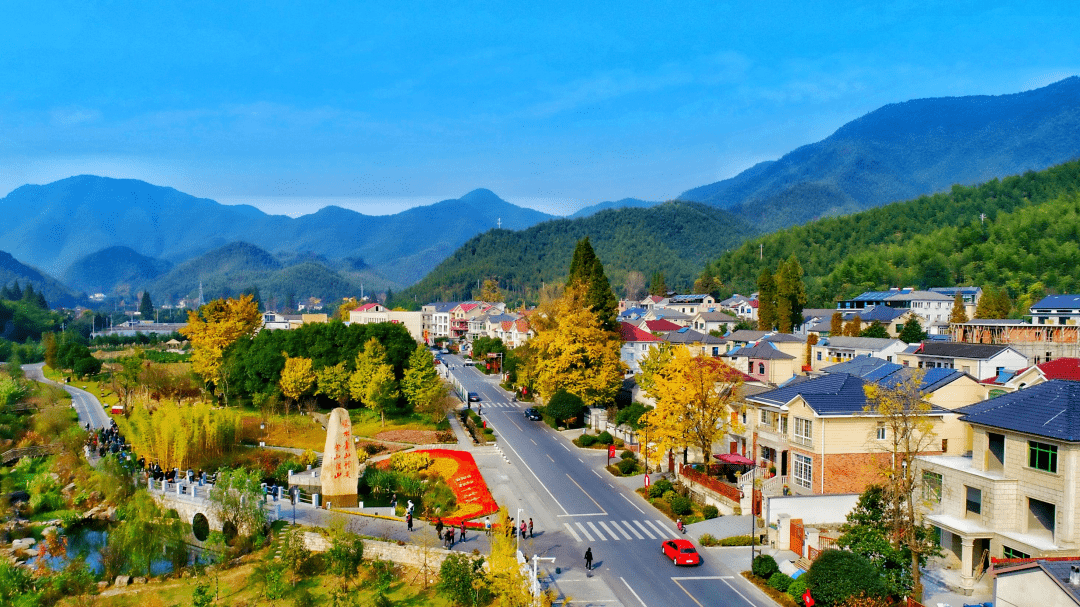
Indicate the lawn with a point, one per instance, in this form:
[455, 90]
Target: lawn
[97, 388]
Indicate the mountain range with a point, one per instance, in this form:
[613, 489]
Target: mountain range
[904, 150]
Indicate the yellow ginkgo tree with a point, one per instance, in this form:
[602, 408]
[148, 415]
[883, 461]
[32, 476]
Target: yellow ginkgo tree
[212, 329]
[373, 382]
[574, 353]
[695, 397]
[297, 378]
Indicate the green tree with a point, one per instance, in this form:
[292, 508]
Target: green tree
[146, 308]
[462, 579]
[420, 384]
[657, 284]
[790, 295]
[867, 532]
[837, 575]
[767, 313]
[912, 332]
[587, 272]
[236, 500]
[333, 382]
[564, 406]
[344, 556]
[994, 303]
[876, 329]
[373, 383]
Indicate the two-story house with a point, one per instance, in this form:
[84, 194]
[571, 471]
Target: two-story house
[699, 344]
[764, 361]
[1056, 310]
[831, 350]
[822, 434]
[713, 320]
[635, 345]
[1016, 494]
[969, 295]
[979, 360]
[691, 304]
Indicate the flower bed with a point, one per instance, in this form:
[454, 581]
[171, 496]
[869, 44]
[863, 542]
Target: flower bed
[460, 471]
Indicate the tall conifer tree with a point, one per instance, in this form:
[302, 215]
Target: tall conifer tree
[766, 285]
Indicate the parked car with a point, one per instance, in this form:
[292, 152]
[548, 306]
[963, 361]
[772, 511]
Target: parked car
[474, 397]
[532, 413]
[681, 552]
[445, 351]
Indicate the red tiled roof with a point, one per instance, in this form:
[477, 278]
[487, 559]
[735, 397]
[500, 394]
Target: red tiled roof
[753, 303]
[654, 298]
[631, 333]
[1062, 368]
[661, 325]
[467, 307]
[365, 307]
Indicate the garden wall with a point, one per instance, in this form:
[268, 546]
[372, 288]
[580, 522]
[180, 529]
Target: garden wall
[407, 554]
[711, 491]
[812, 509]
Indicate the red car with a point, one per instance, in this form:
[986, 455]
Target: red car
[681, 552]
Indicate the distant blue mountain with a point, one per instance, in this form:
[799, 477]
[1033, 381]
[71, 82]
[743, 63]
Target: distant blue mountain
[617, 204]
[905, 150]
[55, 225]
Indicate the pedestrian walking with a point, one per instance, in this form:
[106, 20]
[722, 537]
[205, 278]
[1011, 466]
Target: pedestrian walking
[409, 507]
[463, 531]
[479, 408]
[438, 527]
[531, 528]
[588, 558]
[446, 541]
[393, 503]
[408, 521]
[523, 529]
[487, 526]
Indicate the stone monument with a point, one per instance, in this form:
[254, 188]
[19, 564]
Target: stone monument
[340, 468]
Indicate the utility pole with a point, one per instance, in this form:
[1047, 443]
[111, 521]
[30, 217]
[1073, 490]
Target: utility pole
[761, 252]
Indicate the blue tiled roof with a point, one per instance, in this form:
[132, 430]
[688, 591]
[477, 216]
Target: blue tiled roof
[877, 295]
[1050, 409]
[1058, 301]
[882, 314]
[861, 366]
[832, 394]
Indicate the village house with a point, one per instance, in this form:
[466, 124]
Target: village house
[831, 350]
[636, 345]
[1015, 494]
[981, 361]
[713, 320]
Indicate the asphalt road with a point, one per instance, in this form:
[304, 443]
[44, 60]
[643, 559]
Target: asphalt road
[577, 505]
[85, 404]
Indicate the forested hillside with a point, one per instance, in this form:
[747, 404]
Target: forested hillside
[1012, 233]
[674, 238]
[906, 149]
[56, 294]
[104, 271]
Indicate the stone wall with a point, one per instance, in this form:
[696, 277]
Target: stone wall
[407, 554]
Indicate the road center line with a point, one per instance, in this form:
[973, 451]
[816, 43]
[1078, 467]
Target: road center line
[534, 442]
[688, 592]
[564, 446]
[586, 495]
[634, 593]
[527, 467]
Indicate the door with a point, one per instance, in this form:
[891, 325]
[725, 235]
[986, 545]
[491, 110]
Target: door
[783, 463]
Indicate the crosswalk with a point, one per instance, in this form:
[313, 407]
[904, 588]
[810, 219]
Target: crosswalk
[618, 531]
[494, 405]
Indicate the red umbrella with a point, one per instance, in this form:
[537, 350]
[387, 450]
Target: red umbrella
[734, 458]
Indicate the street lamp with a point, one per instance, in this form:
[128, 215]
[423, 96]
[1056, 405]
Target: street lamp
[753, 518]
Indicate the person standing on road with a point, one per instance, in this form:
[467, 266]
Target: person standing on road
[463, 530]
[531, 528]
[438, 526]
[523, 527]
[408, 521]
[487, 526]
[588, 558]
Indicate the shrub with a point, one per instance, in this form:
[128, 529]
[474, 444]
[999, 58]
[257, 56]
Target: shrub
[764, 566]
[627, 466]
[708, 540]
[605, 438]
[565, 406]
[796, 589]
[780, 581]
[627, 454]
[664, 485]
[710, 511]
[587, 440]
[739, 540]
[414, 461]
[837, 575]
[681, 505]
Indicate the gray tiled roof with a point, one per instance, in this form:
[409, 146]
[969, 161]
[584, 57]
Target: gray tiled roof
[835, 394]
[1050, 409]
[745, 335]
[961, 350]
[860, 343]
[762, 351]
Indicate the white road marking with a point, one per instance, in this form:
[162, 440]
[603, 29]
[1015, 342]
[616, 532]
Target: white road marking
[564, 446]
[659, 530]
[644, 530]
[527, 467]
[597, 473]
[610, 485]
[533, 442]
[597, 531]
[667, 528]
[632, 530]
[584, 531]
[609, 531]
[581, 460]
[631, 502]
[616, 526]
[634, 593]
[586, 494]
[572, 532]
[550, 458]
[725, 580]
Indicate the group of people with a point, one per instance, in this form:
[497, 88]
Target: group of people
[448, 537]
[105, 440]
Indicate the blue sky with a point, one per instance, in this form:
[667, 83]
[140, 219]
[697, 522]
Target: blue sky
[377, 107]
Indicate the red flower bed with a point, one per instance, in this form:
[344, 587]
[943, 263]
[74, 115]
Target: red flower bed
[472, 494]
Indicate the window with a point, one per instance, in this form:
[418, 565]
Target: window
[881, 431]
[974, 500]
[764, 417]
[1042, 456]
[1008, 552]
[931, 487]
[802, 470]
[995, 451]
[1041, 518]
[783, 425]
[761, 368]
[804, 431]
[819, 355]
